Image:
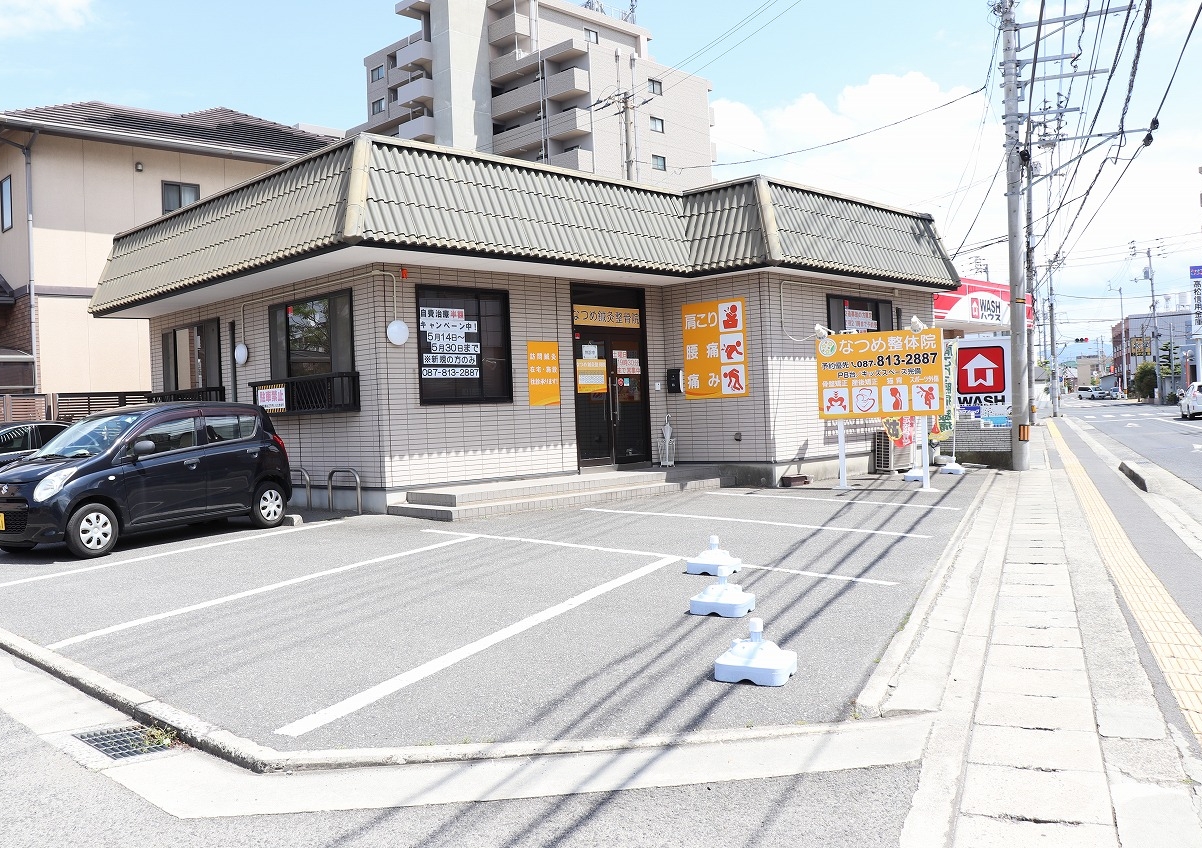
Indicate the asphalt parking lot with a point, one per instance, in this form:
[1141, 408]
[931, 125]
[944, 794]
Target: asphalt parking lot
[370, 631]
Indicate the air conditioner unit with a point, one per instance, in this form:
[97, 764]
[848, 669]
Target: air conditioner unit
[886, 456]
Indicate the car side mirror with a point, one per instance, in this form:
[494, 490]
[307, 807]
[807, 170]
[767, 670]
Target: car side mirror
[143, 447]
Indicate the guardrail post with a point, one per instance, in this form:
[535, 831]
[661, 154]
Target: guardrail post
[308, 486]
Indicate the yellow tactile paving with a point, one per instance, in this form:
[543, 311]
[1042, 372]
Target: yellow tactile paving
[1174, 641]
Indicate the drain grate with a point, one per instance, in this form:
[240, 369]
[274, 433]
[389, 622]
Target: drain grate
[121, 742]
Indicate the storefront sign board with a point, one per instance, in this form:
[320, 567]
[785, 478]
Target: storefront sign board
[542, 373]
[873, 375]
[714, 334]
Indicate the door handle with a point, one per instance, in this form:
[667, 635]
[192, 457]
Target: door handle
[253, 451]
[190, 463]
[617, 405]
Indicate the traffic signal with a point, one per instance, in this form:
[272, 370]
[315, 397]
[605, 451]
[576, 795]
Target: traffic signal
[1080, 340]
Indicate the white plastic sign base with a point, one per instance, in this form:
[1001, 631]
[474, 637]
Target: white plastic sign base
[755, 660]
[708, 561]
[722, 598]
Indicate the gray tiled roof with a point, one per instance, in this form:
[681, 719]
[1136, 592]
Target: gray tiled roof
[389, 193]
[216, 128]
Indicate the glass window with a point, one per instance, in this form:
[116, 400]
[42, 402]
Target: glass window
[590, 35]
[90, 436]
[377, 73]
[463, 342]
[311, 337]
[179, 195]
[655, 86]
[6, 203]
[18, 438]
[657, 125]
[224, 428]
[659, 163]
[377, 106]
[176, 434]
[860, 314]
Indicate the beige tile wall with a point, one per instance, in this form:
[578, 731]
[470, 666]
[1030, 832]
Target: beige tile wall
[395, 442]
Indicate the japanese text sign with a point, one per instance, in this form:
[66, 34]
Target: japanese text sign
[873, 375]
[271, 398]
[542, 373]
[605, 316]
[715, 349]
[591, 376]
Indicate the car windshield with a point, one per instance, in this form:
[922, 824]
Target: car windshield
[89, 437]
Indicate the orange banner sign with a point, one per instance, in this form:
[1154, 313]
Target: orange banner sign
[715, 349]
[542, 373]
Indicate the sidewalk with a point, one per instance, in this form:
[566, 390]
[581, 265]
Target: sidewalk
[1047, 731]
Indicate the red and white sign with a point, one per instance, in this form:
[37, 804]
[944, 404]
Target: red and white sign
[983, 372]
[977, 306]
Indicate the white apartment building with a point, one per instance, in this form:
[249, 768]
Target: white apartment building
[542, 81]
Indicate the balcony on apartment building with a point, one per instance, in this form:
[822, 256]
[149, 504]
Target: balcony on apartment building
[576, 158]
[413, 52]
[413, 89]
[564, 85]
[413, 8]
[508, 28]
[416, 124]
[570, 123]
[516, 64]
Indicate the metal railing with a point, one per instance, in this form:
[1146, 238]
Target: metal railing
[210, 393]
[337, 392]
[358, 487]
[296, 469]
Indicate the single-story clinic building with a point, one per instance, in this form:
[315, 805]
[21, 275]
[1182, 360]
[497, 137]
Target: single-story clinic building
[427, 315]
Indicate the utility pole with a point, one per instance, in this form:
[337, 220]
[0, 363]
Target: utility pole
[1052, 338]
[1020, 447]
[1150, 276]
[1123, 318]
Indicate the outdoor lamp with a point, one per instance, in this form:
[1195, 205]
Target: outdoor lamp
[821, 331]
[398, 332]
[916, 324]
[241, 354]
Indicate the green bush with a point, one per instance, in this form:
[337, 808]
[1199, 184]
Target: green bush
[1143, 384]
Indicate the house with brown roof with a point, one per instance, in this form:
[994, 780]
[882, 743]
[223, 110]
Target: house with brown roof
[71, 176]
[428, 316]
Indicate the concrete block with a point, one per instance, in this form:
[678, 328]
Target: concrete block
[1049, 683]
[1052, 659]
[1034, 711]
[987, 832]
[1073, 797]
[1037, 637]
[1020, 747]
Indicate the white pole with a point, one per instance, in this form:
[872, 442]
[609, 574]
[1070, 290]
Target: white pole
[842, 456]
[924, 459]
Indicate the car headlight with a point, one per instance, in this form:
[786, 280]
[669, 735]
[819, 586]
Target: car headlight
[52, 484]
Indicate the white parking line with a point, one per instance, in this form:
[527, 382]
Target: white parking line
[173, 552]
[74, 640]
[758, 521]
[818, 574]
[830, 500]
[395, 684]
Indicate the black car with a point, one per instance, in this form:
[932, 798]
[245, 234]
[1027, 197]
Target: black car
[144, 467]
[21, 438]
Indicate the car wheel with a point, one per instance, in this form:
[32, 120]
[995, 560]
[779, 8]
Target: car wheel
[15, 549]
[267, 509]
[92, 531]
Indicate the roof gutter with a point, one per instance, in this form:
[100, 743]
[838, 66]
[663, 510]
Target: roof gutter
[138, 140]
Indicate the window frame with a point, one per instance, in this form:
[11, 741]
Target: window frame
[377, 73]
[179, 187]
[592, 36]
[657, 124]
[655, 87]
[837, 305]
[434, 297]
[281, 358]
[6, 204]
[659, 163]
[377, 103]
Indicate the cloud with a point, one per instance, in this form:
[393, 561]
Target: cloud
[23, 18]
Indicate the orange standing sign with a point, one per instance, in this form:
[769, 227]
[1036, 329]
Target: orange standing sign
[542, 373]
[714, 333]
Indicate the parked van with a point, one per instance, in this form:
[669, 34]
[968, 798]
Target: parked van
[1086, 393]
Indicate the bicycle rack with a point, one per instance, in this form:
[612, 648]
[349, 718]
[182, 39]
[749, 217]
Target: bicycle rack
[358, 487]
[308, 485]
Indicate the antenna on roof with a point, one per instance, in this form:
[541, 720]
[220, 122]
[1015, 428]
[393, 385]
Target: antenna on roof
[629, 16]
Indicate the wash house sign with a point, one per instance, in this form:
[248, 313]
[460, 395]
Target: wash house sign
[715, 349]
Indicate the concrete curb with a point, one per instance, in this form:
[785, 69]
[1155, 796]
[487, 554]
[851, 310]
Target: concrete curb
[1134, 474]
[254, 757]
[872, 697]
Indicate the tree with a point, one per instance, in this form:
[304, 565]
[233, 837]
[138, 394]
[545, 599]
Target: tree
[1170, 364]
[1143, 384]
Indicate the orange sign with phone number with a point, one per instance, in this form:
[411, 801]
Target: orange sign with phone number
[880, 375]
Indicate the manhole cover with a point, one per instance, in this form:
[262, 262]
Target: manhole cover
[121, 742]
